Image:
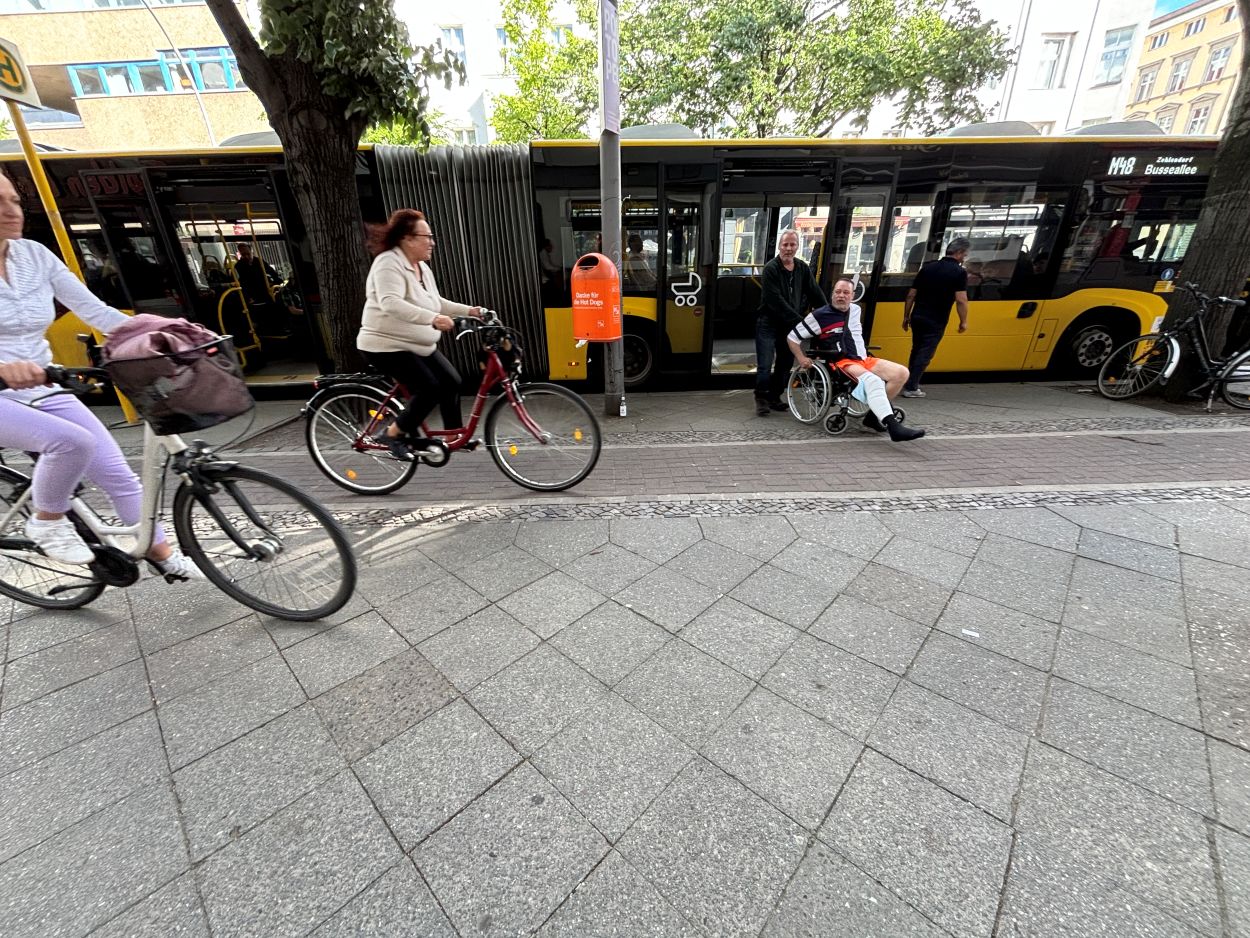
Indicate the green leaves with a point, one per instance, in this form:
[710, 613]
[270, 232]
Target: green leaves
[756, 68]
[361, 55]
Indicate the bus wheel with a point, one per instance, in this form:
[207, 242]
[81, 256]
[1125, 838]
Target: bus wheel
[1086, 345]
[639, 351]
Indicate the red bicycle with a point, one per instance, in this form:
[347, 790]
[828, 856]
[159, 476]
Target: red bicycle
[543, 436]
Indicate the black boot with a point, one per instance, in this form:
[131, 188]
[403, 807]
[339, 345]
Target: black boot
[872, 423]
[778, 405]
[761, 407]
[900, 433]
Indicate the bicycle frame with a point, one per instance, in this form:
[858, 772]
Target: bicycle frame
[144, 532]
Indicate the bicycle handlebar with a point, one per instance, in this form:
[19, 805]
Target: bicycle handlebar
[1206, 298]
[72, 379]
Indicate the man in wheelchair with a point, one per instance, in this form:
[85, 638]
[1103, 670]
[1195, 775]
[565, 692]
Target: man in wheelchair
[838, 328]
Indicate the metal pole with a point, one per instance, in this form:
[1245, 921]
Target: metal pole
[610, 191]
[45, 191]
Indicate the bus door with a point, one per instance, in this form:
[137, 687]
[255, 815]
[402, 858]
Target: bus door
[857, 232]
[1013, 230]
[754, 209]
[685, 271]
[137, 271]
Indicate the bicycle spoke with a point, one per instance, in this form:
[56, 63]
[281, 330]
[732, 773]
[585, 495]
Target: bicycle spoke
[334, 432]
[564, 450]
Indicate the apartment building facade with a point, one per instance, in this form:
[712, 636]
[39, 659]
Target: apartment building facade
[119, 73]
[1188, 68]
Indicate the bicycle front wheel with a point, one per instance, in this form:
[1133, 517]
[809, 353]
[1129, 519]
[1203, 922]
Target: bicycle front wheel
[809, 392]
[1136, 366]
[337, 434]
[265, 543]
[27, 575]
[1235, 382]
[548, 440]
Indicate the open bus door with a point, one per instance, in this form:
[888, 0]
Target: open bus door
[758, 201]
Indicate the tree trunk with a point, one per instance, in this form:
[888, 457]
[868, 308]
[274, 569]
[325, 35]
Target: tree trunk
[1218, 258]
[323, 177]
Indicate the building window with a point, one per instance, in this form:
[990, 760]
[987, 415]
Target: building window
[210, 70]
[466, 137]
[1146, 84]
[1053, 62]
[1180, 72]
[1198, 116]
[501, 36]
[1194, 27]
[560, 35]
[1230, 14]
[1159, 41]
[1115, 50]
[1165, 119]
[1218, 62]
[453, 41]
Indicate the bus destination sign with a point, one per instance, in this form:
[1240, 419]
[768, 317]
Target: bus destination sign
[1134, 165]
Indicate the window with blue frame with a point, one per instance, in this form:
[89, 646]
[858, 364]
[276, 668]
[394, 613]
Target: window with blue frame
[212, 69]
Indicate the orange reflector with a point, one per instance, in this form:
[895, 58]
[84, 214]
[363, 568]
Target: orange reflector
[577, 434]
[351, 474]
[512, 450]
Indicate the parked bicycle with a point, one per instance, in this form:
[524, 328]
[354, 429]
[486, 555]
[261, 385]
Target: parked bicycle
[1149, 360]
[256, 537]
[542, 436]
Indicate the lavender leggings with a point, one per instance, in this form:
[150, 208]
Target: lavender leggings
[72, 444]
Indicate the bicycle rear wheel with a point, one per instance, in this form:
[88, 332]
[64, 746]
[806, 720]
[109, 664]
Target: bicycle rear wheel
[558, 451]
[1235, 382]
[335, 434]
[265, 543]
[1136, 366]
[27, 575]
[809, 392]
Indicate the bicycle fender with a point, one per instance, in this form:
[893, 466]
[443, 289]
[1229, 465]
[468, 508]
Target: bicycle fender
[1174, 360]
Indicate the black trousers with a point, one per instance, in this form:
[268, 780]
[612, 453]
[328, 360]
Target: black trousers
[925, 337]
[430, 379]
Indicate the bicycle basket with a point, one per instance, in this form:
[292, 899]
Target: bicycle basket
[184, 391]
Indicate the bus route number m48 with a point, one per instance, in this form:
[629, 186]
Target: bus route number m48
[596, 300]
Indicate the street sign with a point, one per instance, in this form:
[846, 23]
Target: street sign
[15, 83]
[610, 74]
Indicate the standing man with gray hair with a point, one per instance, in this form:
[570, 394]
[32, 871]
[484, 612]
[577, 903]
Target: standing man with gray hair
[789, 291]
[927, 309]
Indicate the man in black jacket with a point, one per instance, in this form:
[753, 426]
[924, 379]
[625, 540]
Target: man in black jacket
[789, 291]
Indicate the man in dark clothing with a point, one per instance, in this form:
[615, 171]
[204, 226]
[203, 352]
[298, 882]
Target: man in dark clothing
[927, 309]
[789, 291]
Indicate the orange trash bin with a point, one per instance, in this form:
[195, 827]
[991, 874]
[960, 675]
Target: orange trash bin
[596, 299]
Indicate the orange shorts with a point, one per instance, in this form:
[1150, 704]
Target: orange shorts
[869, 363]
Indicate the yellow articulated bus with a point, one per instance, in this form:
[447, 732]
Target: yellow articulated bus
[1074, 241]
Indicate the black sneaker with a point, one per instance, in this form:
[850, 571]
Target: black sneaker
[401, 446]
[778, 405]
[900, 433]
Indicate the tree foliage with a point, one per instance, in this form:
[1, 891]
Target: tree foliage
[762, 68]
[397, 131]
[324, 71]
[556, 81]
[756, 68]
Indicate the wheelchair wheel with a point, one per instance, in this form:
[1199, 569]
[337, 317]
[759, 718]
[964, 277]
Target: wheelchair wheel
[809, 392]
[835, 423]
[900, 415]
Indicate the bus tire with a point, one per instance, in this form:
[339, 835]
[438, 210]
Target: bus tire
[1089, 341]
[642, 352]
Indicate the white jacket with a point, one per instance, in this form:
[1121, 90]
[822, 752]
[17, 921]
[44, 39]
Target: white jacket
[400, 309]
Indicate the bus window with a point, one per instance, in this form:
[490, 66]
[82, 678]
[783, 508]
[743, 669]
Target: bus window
[640, 245]
[744, 239]
[810, 218]
[909, 234]
[1013, 232]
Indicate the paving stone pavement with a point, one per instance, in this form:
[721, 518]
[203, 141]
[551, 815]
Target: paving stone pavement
[990, 720]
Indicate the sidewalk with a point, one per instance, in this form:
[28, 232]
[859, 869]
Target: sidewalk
[958, 712]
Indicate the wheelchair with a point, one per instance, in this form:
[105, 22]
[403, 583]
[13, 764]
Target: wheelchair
[823, 393]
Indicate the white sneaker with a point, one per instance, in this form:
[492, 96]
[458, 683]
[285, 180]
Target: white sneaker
[59, 540]
[915, 393]
[176, 567]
